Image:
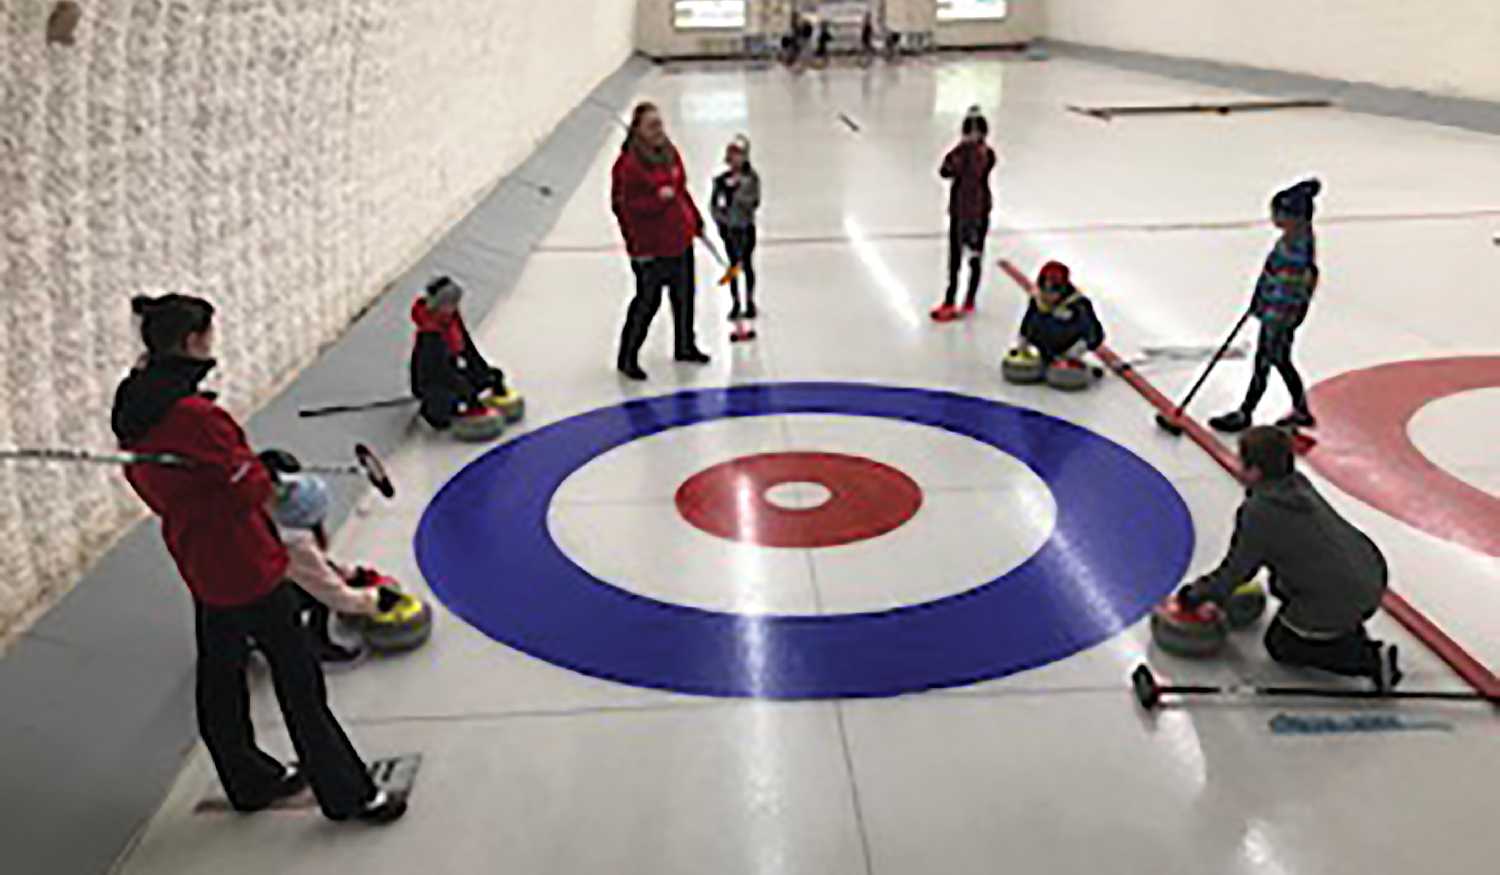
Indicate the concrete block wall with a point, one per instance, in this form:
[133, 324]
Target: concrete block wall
[285, 159]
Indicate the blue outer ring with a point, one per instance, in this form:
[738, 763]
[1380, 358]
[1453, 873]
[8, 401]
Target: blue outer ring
[1122, 541]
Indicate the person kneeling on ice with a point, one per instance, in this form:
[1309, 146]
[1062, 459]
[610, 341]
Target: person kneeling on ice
[299, 507]
[1329, 576]
[1060, 323]
[448, 374]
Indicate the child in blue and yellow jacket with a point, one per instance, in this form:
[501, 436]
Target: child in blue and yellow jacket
[1282, 298]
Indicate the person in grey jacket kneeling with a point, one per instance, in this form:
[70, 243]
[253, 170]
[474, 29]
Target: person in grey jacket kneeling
[1329, 576]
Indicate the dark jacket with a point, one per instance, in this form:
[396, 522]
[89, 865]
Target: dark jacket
[445, 360]
[733, 205]
[652, 227]
[1054, 331]
[969, 166]
[1329, 576]
[213, 513]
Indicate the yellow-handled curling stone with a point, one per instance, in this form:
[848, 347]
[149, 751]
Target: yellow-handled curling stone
[406, 626]
[511, 405]
[1023, 365]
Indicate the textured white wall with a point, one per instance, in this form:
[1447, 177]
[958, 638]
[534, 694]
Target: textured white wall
[1448, 47]
[285, 158]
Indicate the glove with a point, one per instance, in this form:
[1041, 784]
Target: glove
[1189, 598]
[496, 379]
[364, 578]
[280, 462]
[387, 599]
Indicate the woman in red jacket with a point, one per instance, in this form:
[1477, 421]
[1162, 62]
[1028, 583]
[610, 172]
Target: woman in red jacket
[215, 522]
[659, 220]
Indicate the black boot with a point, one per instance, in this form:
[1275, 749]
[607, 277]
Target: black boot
[383, 808]
[1231, 423]
[1298, 419]
[1388, 674]
[291, 782]
[331, 653]
[632, 371]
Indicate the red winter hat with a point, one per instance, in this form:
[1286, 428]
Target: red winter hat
[1054, 273]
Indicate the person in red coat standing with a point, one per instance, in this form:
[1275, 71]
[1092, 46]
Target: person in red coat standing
[216, 524]
[968, 166]
[658, 220]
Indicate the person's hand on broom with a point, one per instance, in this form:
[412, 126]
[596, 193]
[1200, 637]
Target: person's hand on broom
[731, 271]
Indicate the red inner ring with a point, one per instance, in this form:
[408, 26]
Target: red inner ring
[868, 499]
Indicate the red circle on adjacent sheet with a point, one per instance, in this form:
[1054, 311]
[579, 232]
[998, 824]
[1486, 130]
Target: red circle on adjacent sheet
[1364, 447]
[867, 499]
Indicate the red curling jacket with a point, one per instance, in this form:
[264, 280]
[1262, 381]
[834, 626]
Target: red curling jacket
[213, 513]
[652, 227]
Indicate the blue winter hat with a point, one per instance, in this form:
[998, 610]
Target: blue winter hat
[301, 501]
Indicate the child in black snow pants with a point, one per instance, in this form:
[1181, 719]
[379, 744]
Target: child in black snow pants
[448, 373]
[825, 39]
[1329, 576]
[735, 199]
[1282, 297]
[1060, 322]
[968, 165]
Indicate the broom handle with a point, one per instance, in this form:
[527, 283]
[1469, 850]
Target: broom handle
[311, 412]
[122, 458]
[1246, 690]
[1203, 378]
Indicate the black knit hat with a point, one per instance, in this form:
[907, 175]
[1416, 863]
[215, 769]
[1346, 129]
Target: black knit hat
[1297, 201]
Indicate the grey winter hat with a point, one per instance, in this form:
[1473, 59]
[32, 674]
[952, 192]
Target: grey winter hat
[443, 291]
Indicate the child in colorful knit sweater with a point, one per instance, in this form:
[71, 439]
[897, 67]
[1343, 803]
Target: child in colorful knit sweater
[1282, 298]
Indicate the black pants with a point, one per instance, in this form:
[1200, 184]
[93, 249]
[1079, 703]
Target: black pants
[338, 776]
[965, 233]
[1274, 350]
[1353, 655]
[1053, 345]
[442, 401]
[651, 276]
[739, 248]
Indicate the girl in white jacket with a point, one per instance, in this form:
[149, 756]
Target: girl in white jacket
[300, 506]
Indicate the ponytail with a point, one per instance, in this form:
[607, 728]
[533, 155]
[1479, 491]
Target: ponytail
[168, 320]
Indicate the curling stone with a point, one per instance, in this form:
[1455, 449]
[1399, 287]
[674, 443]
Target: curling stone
[1247, 604]
[367, 578]
[482, 424]
[407, 626]
[1023, 366]
[1069, 375]
[1194, 634]
[511, 405]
